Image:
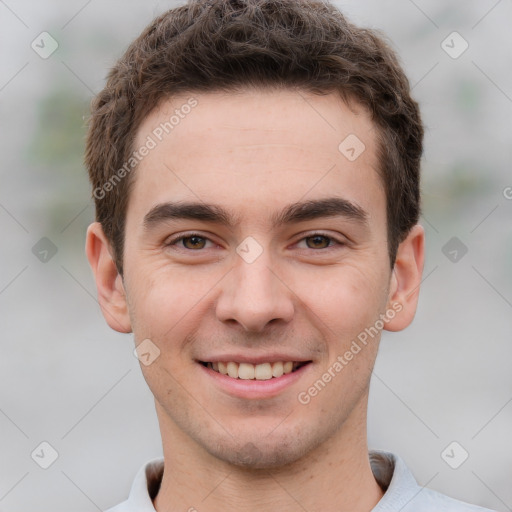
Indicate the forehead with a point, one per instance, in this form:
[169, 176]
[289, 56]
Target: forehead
[257, 148]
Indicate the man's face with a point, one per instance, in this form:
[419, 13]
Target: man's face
[272, 285]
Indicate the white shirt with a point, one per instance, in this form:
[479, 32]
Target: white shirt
[402, 492]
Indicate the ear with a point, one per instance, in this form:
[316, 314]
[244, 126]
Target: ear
[406, 279]
[111, 293]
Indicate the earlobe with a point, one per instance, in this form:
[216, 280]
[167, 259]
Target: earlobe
[406, 279]
[109, 283]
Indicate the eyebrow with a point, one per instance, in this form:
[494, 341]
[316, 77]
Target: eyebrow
[292, 213]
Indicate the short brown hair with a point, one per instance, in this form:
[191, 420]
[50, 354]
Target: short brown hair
[226, 45]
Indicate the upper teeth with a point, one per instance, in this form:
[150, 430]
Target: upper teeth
[248, 371]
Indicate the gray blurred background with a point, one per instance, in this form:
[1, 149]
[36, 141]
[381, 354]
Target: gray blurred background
[68, 380]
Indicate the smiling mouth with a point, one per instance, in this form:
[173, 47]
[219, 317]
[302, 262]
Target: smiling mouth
[248, 371]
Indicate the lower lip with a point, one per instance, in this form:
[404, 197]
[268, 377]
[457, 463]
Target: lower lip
[255, 389]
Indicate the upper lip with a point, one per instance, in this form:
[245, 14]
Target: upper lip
[253, 359]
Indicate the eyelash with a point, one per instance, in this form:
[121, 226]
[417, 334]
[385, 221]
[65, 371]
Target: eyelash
[180, 238]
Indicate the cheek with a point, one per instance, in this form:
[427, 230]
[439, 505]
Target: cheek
[165, 301]
[346, 300]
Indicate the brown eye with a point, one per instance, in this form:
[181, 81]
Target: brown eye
[194, 242]
[318, 242]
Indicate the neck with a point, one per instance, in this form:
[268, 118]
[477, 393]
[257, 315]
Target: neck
[336, 476]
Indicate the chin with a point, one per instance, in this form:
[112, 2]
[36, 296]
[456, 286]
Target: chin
[261, 453]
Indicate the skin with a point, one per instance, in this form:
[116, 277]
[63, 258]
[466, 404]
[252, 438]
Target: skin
[253, 153]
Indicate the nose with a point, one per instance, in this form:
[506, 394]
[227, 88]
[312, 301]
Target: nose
[253, 295]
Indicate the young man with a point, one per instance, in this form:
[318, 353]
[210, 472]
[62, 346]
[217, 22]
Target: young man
[255, 166]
